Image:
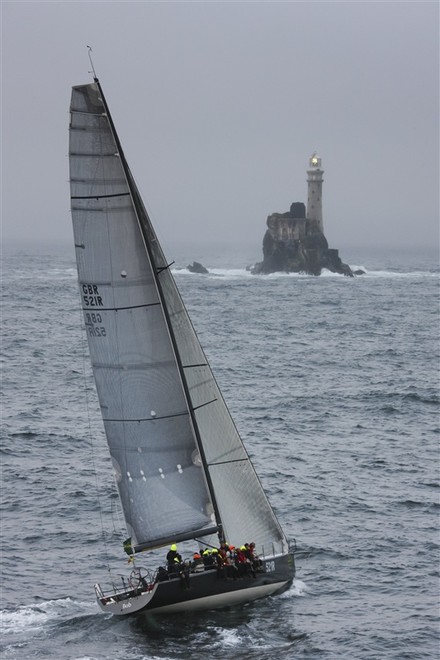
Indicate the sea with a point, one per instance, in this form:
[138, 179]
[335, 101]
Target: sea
[333, 383]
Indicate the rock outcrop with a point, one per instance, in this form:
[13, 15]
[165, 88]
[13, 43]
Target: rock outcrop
[295, 244]
[198, 268]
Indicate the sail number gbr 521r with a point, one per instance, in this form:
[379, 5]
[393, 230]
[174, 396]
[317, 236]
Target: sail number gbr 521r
[92, 298]
[90, 295]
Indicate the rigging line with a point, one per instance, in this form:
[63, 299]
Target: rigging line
[116, 515]
[110, 254]
[159, 270]
[91, 62]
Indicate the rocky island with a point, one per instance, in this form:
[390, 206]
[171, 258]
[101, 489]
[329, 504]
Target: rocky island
[294, 241]
[197, 267]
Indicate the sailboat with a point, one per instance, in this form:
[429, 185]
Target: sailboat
[182, 471]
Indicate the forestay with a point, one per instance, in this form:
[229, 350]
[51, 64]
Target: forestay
[181, 468]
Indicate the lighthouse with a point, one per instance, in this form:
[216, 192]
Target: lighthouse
[314, 191]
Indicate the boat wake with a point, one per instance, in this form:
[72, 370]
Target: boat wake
[298, 588]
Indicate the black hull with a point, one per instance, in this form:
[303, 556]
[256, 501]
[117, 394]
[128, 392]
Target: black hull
[206, 590]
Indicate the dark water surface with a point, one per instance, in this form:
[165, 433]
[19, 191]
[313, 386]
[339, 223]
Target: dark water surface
[333, 384]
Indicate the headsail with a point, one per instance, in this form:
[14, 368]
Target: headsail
[180, 465]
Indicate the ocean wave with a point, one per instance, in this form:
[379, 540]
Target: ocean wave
[32, 617]
[332, 382]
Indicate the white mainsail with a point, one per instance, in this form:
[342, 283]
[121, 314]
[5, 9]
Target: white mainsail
[180, 465]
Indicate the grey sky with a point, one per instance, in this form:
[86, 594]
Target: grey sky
[219, 106]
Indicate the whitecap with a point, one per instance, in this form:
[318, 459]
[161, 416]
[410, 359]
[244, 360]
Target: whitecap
[228, 638]
[298, 588]
[31, 617]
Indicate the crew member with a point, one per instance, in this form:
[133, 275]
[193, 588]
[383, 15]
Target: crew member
[173, 559]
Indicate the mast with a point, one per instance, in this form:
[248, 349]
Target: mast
[140, 211]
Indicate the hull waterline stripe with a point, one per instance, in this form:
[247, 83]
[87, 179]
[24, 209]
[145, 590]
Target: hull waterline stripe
[222, 600]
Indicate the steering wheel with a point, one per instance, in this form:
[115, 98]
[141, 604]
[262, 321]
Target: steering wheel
[138, 580]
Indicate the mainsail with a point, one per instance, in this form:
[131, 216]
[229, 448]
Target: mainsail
[181, 468]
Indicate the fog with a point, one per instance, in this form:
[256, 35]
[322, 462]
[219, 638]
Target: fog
[219, 106]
